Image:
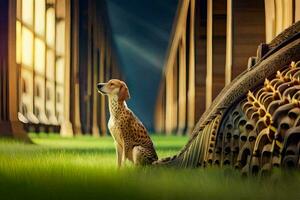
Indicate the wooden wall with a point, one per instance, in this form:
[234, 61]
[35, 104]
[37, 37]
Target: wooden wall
[226, 34]
[96, 63]
[200, 57]
[248, 29]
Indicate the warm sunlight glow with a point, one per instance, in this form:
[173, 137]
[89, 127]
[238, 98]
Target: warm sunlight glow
[27, 50]
[27, 12]
[18, 42]
[60, 67]
[60, 38]
[40, 17]
[50, 64]
[50, 35]
[39, 57]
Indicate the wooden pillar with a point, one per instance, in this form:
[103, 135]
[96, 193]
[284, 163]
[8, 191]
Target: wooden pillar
[287, 13]
[228, 64]
[66, 127]
[9, 74]
[218, 46]
[278, 16]
[88, 97]
[171, 93]
[159, 118]
[95, 128]
[191, 90]
[169, 100]
[270, 20]
[103, 128]
[182, 85]
[75, 109]
[297, 10]
[209, 49]
[175, 95]
[200, 57]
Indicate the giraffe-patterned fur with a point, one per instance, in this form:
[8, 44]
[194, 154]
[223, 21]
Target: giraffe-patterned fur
[130, 136]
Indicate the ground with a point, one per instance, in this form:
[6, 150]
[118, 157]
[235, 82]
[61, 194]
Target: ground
[85, 168]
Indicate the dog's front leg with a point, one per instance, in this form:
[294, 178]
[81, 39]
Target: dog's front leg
[119, 153]
[125, 154]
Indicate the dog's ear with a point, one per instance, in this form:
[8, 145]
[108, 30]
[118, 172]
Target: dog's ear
[124, 93]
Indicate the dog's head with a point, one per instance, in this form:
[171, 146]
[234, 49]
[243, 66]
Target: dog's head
[114, 88]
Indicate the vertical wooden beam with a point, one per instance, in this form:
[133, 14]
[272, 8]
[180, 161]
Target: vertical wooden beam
[103, 129]
[279, 16]
[75, 115]
[200, 58]
[175, 75]
[9, 122]
[191, 91]
[287, 13]
[169, 100]
[89, 68]
[95, 128]
[270, 20]
[209, 50]
[228, 64]
[66, 127]
[182, 84]
[159, 118]
[297, 10]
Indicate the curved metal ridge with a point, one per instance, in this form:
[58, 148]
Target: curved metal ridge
[198, 153]
[260, 132]
[263, 130]
[249, 80]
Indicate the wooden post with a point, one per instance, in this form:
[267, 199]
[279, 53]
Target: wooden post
[169, 100]
[66, 126]
[278, 16]
[95, 128]
[103, 129]
[209, 50]
[270, 19]
[191, 91]
[182, 84]
[297, 10]
[9, 122]
[75, 111]
[228, 64]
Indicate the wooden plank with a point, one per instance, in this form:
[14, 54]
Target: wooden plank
[209, 54]
[246, 34]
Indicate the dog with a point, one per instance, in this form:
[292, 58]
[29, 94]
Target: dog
[131, 139]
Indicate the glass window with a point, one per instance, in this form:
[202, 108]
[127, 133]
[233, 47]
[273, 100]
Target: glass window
[27, 12]
[27, 47]
[50, 27]
[40, 50]
[50, 64]
[39, 25]
[60, 69]
[60, 38]
[39, 57]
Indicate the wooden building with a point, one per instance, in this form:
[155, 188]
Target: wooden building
[210, 45]
[52, 54]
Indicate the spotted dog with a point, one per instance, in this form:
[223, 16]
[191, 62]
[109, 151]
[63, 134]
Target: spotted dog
[131, 139]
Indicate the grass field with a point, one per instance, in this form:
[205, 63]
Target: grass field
[85, 168]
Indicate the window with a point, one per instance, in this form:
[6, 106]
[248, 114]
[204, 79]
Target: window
[40, 47]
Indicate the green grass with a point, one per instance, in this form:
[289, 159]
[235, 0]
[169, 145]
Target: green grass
[85, 168]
